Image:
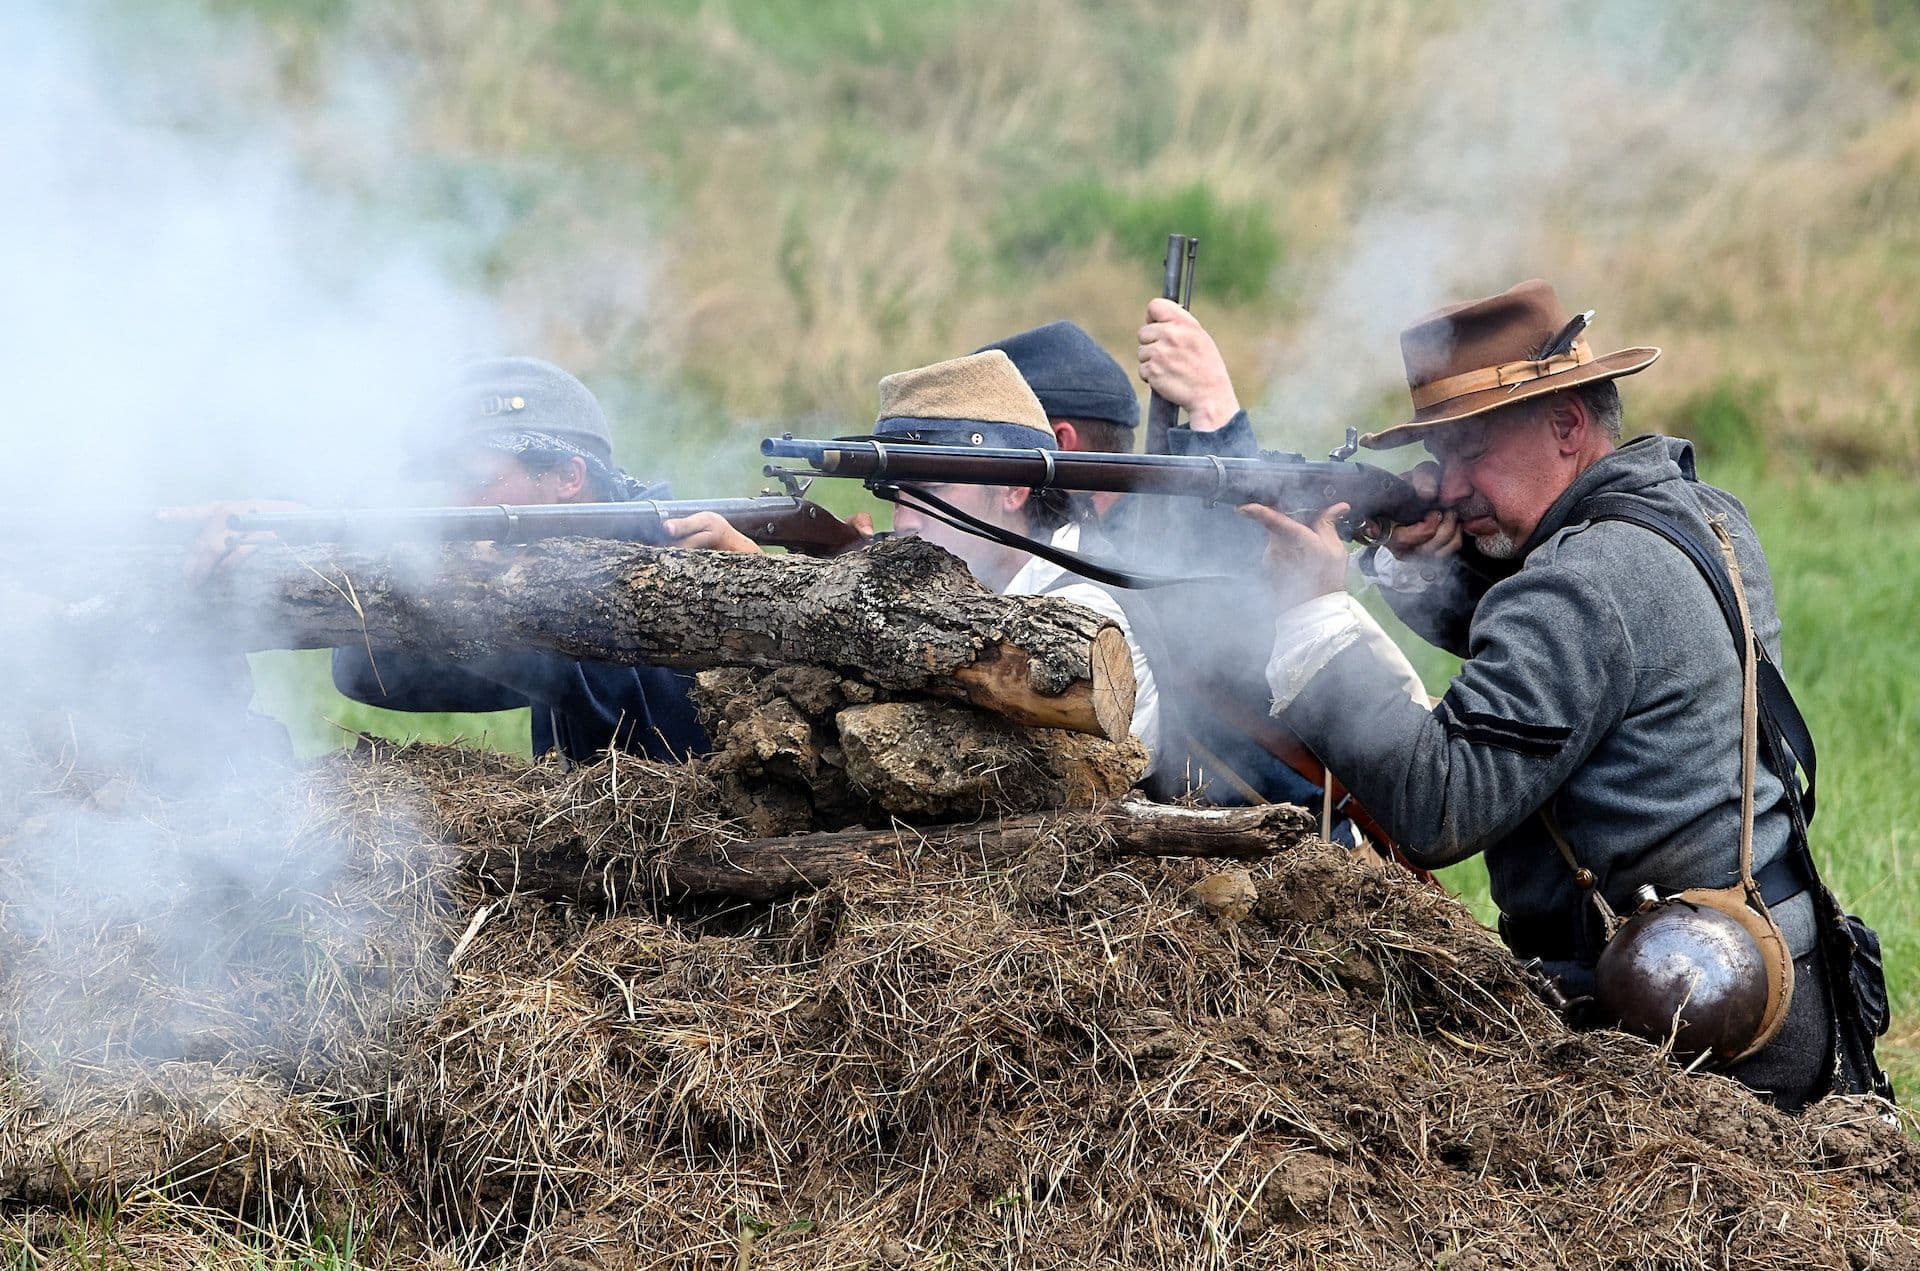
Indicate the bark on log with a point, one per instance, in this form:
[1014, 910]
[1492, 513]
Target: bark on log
[902, 615]
[768, 869]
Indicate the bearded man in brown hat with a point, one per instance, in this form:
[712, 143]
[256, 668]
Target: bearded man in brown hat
[1596, 741]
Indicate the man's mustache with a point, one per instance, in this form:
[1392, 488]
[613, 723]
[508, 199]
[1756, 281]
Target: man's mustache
[1472, 508]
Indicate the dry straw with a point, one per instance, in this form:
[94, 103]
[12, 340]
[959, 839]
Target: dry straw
[1067, 1062]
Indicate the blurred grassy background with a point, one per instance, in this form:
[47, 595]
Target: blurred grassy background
[732, 216]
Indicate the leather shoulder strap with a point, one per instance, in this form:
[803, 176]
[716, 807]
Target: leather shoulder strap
[1779, 712]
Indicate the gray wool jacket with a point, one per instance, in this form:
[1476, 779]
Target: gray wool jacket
[1600, 680]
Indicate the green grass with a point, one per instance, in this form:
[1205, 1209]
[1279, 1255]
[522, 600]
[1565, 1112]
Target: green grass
[1845, 557]
[1041, 229]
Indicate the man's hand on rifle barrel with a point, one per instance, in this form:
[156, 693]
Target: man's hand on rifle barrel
[217, 546]
[1181, 362]
[1304, 560]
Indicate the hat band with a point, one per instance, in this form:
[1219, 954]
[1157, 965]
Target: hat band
[1506, 375]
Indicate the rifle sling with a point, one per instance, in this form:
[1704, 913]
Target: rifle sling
[1108, 573]
[1273, 737]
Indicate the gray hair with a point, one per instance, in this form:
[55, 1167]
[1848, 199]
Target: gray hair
[1602, 398]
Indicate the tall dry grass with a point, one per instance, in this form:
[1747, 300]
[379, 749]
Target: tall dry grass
[775, 205]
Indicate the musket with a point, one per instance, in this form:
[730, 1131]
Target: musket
[1292, 483]
[772, 520]
[1177, 286]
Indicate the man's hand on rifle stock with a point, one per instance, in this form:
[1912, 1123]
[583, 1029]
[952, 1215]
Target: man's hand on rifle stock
[1180, 361]
[1304, 561]
[1438, 534]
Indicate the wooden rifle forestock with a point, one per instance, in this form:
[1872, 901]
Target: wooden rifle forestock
[1177, 286]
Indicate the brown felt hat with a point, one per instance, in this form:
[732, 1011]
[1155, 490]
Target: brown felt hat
[1479, 356]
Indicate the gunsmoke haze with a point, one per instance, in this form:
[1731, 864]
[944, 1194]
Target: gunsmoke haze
[1543, 141]
[192, 310]
[206, 297]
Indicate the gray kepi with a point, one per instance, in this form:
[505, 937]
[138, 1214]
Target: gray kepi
[495, 399]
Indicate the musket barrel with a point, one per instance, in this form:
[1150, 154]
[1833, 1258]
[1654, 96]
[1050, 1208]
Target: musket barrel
[1288, 482]
[637, 521]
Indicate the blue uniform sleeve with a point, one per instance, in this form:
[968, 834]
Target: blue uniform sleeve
[645, 710]
[1233, 440]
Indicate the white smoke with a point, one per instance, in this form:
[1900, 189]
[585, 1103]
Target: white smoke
[206, 295]
[191, 309]
[1536, 127]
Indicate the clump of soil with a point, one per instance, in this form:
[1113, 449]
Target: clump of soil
[801, 748]
[1065, 1061]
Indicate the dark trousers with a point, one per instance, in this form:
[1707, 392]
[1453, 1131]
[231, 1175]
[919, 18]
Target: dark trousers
[1792, 1069]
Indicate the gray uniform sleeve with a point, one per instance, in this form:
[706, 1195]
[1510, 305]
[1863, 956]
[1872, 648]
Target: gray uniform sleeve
[1441, 613]
[1549, 673]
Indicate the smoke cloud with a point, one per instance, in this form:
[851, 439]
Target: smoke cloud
[207, 296]
[1539, 138]
[199, 303]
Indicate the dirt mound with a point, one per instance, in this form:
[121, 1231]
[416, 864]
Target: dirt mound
[1065, 1060]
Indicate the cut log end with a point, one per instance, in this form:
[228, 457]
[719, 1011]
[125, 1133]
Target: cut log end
[1113, 688]
[1000, 680]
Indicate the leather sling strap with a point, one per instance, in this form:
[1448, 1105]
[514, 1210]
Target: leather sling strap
[1271, 736]
[1749, 706]
[1106, 572]
[1783, 728]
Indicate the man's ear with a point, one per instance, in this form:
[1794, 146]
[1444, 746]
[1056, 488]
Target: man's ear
[570, 478]
[1014, 497]
[1567, 416]
[1066, 434]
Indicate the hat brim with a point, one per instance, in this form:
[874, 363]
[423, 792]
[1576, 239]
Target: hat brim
[943, 431]
[1612, 366]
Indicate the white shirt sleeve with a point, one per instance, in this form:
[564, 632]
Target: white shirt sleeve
[1409, 578]
[1310, 635]
[1146, 701]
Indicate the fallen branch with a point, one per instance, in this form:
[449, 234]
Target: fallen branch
[767, 869]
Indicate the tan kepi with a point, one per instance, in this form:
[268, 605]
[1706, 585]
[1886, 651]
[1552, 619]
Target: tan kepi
[1475, 357]
[977, 400]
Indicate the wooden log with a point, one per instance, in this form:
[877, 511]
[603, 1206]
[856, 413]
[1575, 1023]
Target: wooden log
[800, 748]
[902, 615]
[931, 760]
[768, 869]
